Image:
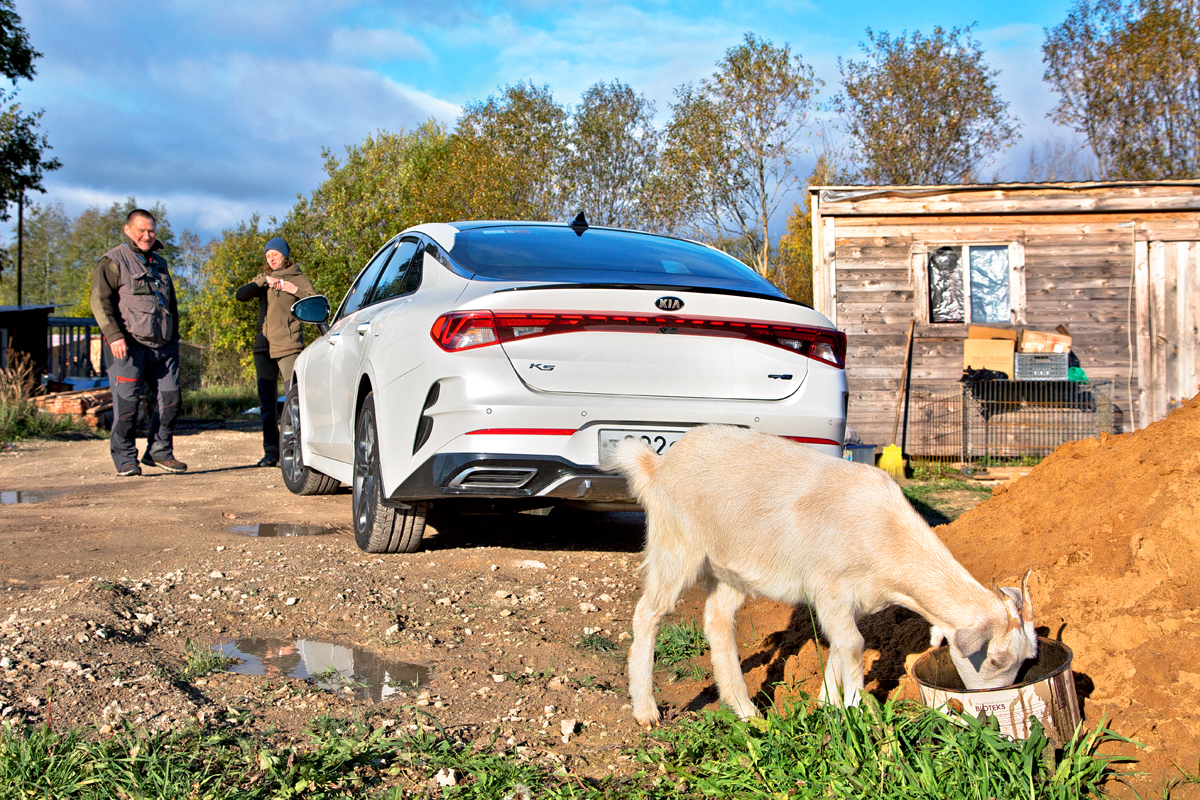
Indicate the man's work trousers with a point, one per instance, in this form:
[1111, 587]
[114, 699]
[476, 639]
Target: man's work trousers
[268, 371]
[156, 369]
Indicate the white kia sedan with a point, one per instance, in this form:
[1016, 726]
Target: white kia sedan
[490, 364]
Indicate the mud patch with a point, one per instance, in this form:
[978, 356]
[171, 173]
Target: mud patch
[27, 496]
[270, 529]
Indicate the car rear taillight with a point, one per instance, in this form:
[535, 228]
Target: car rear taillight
[463, 330]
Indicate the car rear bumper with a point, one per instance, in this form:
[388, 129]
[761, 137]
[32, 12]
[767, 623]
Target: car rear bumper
[509, 476]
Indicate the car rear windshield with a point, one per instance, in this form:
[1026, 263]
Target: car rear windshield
[598, 256]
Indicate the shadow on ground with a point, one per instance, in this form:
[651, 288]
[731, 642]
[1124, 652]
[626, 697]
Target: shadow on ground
[562, 529]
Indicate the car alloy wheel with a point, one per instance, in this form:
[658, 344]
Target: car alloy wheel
[380, 527]
[298, 478]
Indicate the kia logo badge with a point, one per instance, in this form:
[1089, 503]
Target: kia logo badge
[668, 304]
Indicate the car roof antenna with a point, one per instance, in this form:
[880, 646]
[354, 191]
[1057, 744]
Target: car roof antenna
[579, 224]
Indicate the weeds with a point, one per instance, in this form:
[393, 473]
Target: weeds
[890, 750]
[596, 643]
[687, 671]
[19, 417]
[218, 402]
[530, 675]
[679, 641]
[893, 750]
[200, 661]
[333, 680]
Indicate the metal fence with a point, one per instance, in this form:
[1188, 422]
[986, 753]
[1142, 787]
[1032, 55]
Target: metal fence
[1004, 420]
[69, 342]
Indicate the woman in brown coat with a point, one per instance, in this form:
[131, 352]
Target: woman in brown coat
[280, 338]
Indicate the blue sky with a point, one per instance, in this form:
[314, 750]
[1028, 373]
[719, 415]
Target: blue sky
[220, 109]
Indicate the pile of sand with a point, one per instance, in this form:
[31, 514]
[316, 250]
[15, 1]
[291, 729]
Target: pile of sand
[1111, 528]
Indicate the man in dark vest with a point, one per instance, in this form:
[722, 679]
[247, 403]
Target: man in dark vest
[133, 301]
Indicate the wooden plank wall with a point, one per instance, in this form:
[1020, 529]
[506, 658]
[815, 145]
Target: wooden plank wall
[1168, 308]
[1079, 271]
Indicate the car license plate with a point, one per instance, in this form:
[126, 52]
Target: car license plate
[659, 441]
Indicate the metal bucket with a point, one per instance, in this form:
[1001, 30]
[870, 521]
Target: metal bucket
[1044, 690]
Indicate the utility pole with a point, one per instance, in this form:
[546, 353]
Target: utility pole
[20, 236]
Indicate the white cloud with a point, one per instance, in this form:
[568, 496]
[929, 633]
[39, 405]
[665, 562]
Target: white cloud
[222, 109]
[376, 45]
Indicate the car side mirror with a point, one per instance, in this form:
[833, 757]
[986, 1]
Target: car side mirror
[313, 309]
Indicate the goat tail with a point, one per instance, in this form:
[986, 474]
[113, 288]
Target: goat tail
[637, 461]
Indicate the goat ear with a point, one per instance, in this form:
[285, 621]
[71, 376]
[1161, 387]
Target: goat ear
[1026, 600]
[973, 643]
[1012, 600]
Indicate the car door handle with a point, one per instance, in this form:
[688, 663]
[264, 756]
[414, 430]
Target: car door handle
[333, 339]
[362, 328]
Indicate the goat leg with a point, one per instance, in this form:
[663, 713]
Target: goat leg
[647, 617]
[720, 626]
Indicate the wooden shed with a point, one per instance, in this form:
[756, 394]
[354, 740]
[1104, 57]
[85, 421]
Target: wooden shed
[23, 329]
[1117, 265]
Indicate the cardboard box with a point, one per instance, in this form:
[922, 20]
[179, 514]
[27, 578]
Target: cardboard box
[1043, 342]
[980, 332]
[996, 354]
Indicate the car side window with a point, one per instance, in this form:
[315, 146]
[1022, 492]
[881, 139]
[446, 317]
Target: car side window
[356, 297]
[391, 281]
[412, 281]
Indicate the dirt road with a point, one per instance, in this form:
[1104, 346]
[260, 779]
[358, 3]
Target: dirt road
[109, 587]
[104, 582]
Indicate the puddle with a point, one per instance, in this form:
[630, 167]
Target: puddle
[266, 529]
[329, 666]
[34, 496]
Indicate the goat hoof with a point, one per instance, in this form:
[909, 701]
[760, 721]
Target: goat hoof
[648, 720]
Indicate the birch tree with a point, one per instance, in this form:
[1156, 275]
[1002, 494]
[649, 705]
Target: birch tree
[923, 109]
[732, 142]
[1128, 78]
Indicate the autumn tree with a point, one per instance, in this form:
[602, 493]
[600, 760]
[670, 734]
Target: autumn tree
[21, 145]
[215, 319]
[47, 235]
[1058, 160]
[1128, 78]
[732, 141]
[613, 157]
[794, 266]
[507, 155]
[922, 109]
[373, 191]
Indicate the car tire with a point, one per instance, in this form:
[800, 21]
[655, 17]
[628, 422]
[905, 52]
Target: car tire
[380, 528]
[298, 478]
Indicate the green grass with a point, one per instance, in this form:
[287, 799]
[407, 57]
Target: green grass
[200, 661]
[894, 750]
[923, 496]
[218, 402]
[23, 420]
[678, 642]
[922, 491]
[596, 643]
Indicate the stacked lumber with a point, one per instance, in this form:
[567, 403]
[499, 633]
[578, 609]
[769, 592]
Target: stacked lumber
[93, 407]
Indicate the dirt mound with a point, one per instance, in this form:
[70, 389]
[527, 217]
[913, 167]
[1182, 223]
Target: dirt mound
[1111, 528]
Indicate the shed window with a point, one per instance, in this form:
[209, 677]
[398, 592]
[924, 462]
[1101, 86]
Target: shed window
[969, 282]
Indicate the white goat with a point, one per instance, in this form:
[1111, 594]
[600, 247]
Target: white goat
[758, 515]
